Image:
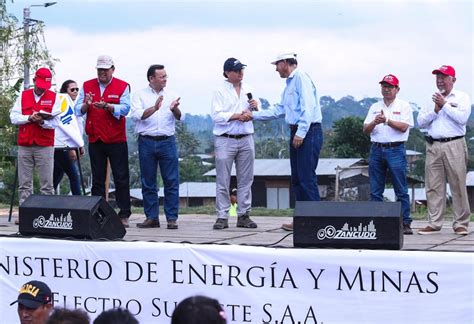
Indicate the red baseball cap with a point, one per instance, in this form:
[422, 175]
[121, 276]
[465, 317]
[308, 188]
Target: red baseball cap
[43, 78]
[446, 70]
[390, 79]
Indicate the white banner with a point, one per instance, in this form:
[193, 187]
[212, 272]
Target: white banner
[254, 284]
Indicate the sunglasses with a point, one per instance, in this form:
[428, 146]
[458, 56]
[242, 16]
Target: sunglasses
[74, 89]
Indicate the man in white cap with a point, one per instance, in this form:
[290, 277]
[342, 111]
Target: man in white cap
[33, 113]
[233, 141]
[388, 122]
[446, 152]
[106, 101]
[299, 106]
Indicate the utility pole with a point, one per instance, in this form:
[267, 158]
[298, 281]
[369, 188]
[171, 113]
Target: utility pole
[26, 47]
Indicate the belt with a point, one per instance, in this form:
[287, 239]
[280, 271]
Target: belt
[294, 127]
[239, 136]
[430, 139]
[156, 138]
[385, 145]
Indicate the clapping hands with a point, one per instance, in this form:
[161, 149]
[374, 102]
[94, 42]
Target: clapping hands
[380, 118]
[439, 101]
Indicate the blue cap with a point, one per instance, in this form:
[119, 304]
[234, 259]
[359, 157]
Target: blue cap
[233, 64]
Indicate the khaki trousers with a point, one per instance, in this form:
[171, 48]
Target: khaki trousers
[29, 157]
[447, 161]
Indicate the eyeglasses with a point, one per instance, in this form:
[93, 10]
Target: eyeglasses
[74, 89]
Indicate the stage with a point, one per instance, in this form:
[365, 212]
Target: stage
[198, 229]
[151, 270]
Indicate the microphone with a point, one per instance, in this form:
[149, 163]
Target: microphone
[250, 97]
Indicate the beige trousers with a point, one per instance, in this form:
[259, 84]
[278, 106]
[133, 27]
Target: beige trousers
[30, 157]
[447, 161]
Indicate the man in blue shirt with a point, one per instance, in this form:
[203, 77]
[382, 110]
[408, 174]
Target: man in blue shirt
[300, 107]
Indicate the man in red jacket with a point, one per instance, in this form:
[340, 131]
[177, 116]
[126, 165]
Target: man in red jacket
[106, 101]
[33, 113]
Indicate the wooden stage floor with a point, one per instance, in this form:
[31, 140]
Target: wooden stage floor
[198, 229]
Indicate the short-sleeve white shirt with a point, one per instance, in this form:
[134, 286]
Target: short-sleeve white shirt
[398, 110]
[162, 122]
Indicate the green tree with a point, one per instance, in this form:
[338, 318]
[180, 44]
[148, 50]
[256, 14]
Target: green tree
[272, 148]
[12, 60]
[187, 142]
[348, 140]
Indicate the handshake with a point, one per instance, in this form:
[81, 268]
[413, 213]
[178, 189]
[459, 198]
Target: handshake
[245, 116]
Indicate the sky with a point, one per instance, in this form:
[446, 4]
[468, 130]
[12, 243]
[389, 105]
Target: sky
[346, 46]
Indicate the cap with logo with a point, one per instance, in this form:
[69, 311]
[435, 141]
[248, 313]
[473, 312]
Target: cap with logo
[104, 62]
[390, 79]
[284, 56]
[43, 77]
[233, 64]
[33, 294]
[446, 70]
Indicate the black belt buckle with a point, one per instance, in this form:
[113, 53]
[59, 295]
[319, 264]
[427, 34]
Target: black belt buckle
[429, 139]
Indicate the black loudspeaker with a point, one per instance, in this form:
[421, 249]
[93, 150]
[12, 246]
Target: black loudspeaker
[353, 225]
[70, 216]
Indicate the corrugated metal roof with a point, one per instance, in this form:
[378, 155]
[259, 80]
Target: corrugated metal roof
[470, 179]
[186, 189]
[420, 193]
[281, 167]
[412, 153]
[196, 189]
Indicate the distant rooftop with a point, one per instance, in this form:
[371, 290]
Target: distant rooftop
[281, 167]
[186, 189]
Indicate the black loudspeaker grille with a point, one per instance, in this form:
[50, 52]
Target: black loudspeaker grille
[69, 216]
[356, 225]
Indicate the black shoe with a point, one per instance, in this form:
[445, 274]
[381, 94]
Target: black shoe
[172, 225]
[221, 223]
[407, 229]
[125, 222]
[149, 223]
[246, 222]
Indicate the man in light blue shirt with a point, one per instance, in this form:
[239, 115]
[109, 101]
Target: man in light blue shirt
[300, 107]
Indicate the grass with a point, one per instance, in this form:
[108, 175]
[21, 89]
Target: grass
[420, 214]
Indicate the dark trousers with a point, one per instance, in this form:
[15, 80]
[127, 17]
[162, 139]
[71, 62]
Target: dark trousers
[117, 153]
[64, 164]
[304, 161]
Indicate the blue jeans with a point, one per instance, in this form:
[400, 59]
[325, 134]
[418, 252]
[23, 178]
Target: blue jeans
[304, 161]
[163, 153]
[64, 164]
[393, 160]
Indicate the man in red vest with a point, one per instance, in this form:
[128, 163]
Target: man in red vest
[106, 101]
[33, 113]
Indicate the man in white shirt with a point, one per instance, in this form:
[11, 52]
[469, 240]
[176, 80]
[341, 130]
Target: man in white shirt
[446, 152]
[233, 141]
[388, 122]
[36, 115]
[155, 110]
